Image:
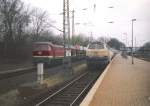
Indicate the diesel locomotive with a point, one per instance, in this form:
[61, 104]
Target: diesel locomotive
[49, 53]
[98, 54]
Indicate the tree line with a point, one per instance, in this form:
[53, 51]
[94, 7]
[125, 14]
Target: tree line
[144, 51]
[21, 25]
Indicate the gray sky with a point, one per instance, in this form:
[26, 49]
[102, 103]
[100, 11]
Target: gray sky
[121, 15]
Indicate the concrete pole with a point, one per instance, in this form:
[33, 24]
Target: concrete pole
[64, 26]
[73, 26]
[132, 41]
[68, 22]
[135, 43]
[40, 72]
[69, 38]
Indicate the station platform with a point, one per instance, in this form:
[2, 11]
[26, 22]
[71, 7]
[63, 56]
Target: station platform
[123, 84]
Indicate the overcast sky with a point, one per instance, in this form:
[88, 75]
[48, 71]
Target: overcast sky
[97, 21]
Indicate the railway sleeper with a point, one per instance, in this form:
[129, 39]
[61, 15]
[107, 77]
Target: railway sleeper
[68, 95]
[78, 87]
[75, 91]
[59, 101]
[81, 84]
[57, 104]
[69, 99]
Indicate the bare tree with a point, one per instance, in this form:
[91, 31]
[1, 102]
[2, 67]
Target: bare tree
[103, 39]
[9, 10]
[39, 23]
[80, 39]
[12, 23]
[116, 44]
[23, 21]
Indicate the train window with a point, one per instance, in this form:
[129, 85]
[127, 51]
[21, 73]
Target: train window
[38, 47]
[96, 46]
[100, 46]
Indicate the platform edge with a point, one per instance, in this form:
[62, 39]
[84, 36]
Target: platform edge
[87, 100]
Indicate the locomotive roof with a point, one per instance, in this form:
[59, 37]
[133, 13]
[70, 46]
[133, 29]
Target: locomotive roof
[54, 45]
[42, 42]
[48, 43]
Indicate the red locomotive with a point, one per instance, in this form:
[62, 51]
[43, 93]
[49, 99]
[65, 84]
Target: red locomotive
[49, 53]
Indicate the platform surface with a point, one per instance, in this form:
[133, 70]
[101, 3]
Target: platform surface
[124, 84]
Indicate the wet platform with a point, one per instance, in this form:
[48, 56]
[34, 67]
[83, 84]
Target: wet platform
[122, 84]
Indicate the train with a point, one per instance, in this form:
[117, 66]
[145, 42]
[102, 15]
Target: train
[98, 54]
[95, 54]
[50, 54]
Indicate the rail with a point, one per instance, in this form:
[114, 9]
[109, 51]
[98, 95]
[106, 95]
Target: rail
[71, 93]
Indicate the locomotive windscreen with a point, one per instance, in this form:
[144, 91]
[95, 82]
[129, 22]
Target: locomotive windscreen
[96, 46]
[40, 47]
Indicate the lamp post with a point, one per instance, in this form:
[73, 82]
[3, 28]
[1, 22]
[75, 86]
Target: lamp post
[132, 41]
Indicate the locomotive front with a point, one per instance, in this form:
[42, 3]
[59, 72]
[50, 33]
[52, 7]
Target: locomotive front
[42, 52]
[97, 54]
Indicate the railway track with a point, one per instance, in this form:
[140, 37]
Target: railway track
[71, 94]
[16, 72]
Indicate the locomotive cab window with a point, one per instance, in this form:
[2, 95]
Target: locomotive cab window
[96, 46]
[41, 47]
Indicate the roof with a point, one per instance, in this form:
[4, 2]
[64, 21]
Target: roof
[48, 43]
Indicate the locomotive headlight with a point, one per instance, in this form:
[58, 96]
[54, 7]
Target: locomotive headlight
[88, 53]
[39, 53]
